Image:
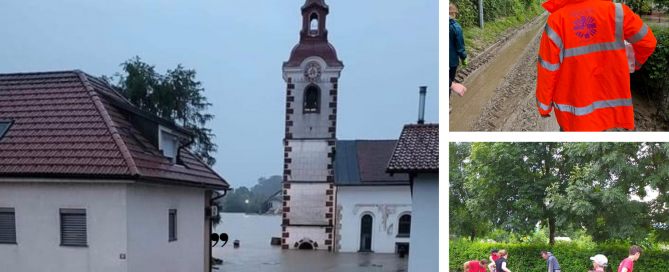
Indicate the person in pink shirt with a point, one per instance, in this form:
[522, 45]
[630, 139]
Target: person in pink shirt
[476, 266]
[494, 255]
[628, 263]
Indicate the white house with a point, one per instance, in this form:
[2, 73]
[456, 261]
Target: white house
[417, 154]
[88, 182]
[373, 208]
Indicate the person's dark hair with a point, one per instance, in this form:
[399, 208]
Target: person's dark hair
[494, 251]
[484, 262]
[635, 249]
[544, 253]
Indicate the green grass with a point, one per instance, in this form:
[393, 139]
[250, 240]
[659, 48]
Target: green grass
[477, 38]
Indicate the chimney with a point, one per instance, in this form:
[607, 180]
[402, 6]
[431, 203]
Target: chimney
[421, 104]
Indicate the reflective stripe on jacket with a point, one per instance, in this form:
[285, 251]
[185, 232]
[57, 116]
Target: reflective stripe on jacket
[582, 67]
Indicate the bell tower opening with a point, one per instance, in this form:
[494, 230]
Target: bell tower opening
[313, 24]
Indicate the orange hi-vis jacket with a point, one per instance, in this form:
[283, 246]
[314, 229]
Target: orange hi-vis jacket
[582, 68]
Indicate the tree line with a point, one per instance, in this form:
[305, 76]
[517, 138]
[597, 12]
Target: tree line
[566, 186]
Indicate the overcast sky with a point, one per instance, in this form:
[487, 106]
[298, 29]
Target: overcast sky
[237, 47]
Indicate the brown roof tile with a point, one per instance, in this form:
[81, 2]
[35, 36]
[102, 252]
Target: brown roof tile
[417, 150]
[70, 124]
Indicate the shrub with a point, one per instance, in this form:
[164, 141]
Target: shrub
[571, 256]
[468, 10]
[653, 77]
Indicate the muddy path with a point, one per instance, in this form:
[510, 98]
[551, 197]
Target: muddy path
[501, 94]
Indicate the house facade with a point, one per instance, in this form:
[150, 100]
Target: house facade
[373, 208]
[88, 182]
[417, 154]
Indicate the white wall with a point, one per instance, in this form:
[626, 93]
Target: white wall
[385, 203]
[148, 213]
[37, 208]
[424, 248]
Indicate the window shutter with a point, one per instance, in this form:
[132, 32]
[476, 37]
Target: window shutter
[7, 226]
[73, 227]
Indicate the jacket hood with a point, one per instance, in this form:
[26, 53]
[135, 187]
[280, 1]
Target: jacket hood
[549, 254]
[554, 5]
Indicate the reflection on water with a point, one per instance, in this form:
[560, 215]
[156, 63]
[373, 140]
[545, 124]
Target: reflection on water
[257, 255]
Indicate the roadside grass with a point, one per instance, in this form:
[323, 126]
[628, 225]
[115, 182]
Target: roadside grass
[478, 38]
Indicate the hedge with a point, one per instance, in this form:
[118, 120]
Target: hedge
[652, 80]
[527, 258]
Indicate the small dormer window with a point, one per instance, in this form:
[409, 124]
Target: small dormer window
[4, 127]
[311, 99]
[169, 145]
[313, 24]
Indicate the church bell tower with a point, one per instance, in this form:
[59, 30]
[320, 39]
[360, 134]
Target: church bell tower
[312, 75]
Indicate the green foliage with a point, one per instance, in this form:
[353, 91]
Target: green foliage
[257, 196]
[653, 77]
[175, 95]
[638, 6]
[572, 257]
[468, 10]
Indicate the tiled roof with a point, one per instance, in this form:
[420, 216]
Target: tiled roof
[363, 163]
[417, 150]
[70, 124]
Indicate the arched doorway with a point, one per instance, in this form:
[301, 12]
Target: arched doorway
[366, 233]
[306, 245]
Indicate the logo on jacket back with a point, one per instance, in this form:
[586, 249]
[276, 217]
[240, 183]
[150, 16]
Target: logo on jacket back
[585, 27]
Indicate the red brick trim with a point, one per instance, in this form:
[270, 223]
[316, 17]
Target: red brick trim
[285, 247]
[286, 198]
[285, 235]
[334, 80]
[286, 209]
[286, 185]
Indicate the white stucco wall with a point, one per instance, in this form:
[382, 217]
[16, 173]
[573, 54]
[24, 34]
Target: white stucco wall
[148, 213]
[385, 203]
[37, 209]
[424, 248]
[308, 203]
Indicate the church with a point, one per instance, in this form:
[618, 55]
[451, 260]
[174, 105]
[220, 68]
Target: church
[337, 194]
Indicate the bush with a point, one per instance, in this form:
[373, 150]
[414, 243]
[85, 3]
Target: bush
[468, 10]
[572, 257]
[653, 77]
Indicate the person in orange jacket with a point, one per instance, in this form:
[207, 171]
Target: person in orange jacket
[582, 67]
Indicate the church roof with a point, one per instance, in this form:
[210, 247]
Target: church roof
[363, 163]
[72, 125]
[417, 150]
[317, 2]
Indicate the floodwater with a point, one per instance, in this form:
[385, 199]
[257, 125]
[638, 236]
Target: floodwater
[255, 253]
[481, 87]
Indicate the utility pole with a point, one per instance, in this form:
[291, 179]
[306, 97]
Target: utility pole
[481, 13]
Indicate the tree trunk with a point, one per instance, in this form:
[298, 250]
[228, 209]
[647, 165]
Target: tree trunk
[471, 238]
[551, 227]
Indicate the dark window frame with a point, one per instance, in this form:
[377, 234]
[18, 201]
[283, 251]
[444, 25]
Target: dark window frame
[9, 125]
[307, 90]
[406, 226]
[63, 213]
[172, 220]
[12, 213]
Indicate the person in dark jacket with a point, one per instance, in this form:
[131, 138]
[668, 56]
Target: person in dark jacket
[553, 265]
[456, 45]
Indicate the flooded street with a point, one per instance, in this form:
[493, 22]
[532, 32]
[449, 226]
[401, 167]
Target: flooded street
[257, 255]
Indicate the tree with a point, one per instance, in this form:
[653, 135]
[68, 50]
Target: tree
[462, 220]
[176, 96]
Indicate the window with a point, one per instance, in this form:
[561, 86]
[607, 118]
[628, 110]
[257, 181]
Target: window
[7, 226]
[73, 227]
[4, 127]
[311, 99]
[168, 145]
[404, 226]
[173, 225]
[313, 24]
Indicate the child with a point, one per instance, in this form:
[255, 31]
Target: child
[501, 264]
[494, 255]
[628, 263]
[599, 262]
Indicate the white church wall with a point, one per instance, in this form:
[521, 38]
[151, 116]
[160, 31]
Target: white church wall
[308, 203]
[309, 160]
[385, 203]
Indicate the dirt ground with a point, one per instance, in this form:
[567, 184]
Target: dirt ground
[501, 90]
